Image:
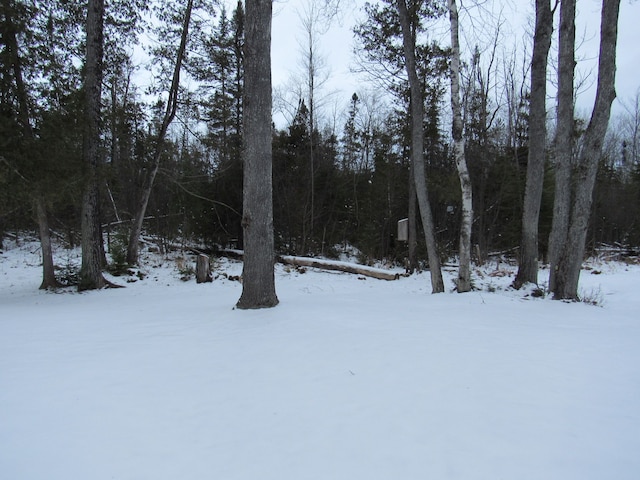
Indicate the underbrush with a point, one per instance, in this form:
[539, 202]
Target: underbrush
[494, 276]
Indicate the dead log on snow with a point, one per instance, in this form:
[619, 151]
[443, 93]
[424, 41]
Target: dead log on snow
[323, 265]
[339, 266]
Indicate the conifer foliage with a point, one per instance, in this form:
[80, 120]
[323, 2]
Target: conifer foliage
[88, 129]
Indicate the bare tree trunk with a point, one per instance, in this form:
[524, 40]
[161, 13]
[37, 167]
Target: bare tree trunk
[564, 142]
[464, 272]
[417, 148]
[169, 114]
[48, 273]
[413, 240]
[528, 265]
[91, 269]
[312, 15]
[258, 279]
[312, 126]
[570, 261]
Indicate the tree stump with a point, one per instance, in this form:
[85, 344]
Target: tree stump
[203, 269]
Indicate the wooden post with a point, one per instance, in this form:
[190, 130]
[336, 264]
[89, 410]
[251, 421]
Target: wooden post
[203, 269]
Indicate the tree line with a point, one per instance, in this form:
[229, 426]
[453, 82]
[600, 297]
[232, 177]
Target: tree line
[90, 148]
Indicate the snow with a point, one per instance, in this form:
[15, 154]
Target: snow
[348, 378]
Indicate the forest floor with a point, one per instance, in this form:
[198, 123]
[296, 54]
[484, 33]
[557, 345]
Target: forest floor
[348, 377]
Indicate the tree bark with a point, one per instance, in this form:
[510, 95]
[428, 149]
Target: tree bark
[528, 265]
[463, 283]
[564, 141]
[170, 113]
[258, 285]
[417, 148]
[412, 243]
[91, 269]
[570, 261]
[48, 272]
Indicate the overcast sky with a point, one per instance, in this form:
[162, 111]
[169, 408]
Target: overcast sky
[337, 44]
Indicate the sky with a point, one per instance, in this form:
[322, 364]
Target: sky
[337, 44]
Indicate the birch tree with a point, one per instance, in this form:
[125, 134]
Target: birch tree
[464, 275]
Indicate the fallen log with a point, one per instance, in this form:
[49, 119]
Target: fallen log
[338, 266]
[334, 265]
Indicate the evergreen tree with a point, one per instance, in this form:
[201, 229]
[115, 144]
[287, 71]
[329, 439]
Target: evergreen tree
[220, 71]
[382, 52]
[92, 247]
[38, 95]
[291, 177]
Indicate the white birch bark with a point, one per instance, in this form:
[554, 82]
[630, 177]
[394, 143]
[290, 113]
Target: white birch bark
[463, 283]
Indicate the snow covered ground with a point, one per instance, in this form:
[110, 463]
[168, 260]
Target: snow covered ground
[348, 378]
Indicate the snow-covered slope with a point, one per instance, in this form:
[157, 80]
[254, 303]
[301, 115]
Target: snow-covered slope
[348, 378]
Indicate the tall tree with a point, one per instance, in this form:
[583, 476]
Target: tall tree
[565, 136]
[315, 18]
[417, 146]
[351, 146]
[463, 283]
[258, 286]
[310, 18]
[92, 247]
[381, 55]
[528, 265]
[569, 263]
[169, 115]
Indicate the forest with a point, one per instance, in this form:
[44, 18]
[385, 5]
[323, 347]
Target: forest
[161, 160]
[137, 138]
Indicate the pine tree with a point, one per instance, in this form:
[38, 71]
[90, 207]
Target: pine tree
[92, 247]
